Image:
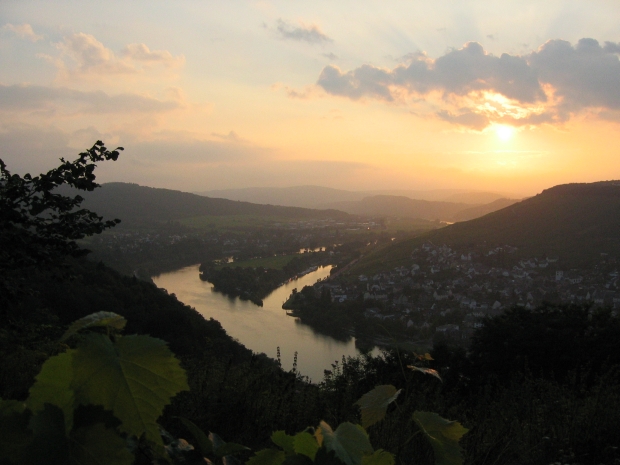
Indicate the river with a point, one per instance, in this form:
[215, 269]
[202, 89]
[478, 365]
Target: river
[263, 329]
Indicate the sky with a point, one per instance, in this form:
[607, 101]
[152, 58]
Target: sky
[503, 96]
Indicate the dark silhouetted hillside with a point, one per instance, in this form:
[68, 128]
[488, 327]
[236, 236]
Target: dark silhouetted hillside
[575, 222]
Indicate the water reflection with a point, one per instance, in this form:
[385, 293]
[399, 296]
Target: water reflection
[263, 329]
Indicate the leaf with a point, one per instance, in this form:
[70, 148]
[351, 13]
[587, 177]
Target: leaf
[444, 436]
[349, 442]
[305, 444]
[109, 319]
[426, 371]
[135, 378]
[374, 404]
[284, 441]
[98, 445]
[230, 448]
[50, 444]
[222, 448]
[205, 446]
[297, 459]
[379, 457]
[267, 457]
[14, 433]
[53, 386]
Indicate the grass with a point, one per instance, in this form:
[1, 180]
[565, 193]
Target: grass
[276, 262]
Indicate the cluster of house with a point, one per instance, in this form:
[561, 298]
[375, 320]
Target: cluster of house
[447, 292]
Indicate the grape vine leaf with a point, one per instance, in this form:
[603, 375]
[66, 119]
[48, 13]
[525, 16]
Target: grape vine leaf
[284, 441]
[205, 446]
[305, 444]
[53, 386]
[98, 445]
[135, 377]
[443, 435]
[267, 457]
[379, 457]
[374, 404]
[109, 319]
[426, 371]
[349, 442]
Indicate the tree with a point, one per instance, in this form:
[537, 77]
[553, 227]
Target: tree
[41, 227]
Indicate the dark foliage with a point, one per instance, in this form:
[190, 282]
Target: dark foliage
[549, 341]
[41, 227]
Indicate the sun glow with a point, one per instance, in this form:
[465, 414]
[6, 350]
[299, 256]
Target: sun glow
[504, 132]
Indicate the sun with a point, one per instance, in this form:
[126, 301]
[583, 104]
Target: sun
[504, 132]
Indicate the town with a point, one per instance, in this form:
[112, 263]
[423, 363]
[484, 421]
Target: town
[447, 294]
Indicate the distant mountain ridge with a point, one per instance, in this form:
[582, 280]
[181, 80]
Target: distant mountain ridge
[382, 205]
[315, 196]
[576, 222]
[131, 202]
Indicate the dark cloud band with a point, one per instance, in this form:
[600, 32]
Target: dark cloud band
[586, 75]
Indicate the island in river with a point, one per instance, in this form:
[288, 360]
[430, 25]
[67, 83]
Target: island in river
[254, 283]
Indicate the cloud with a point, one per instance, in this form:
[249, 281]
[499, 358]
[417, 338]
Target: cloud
[86, 55]
[458, 72]
[477, 88]
[23, 31]
[41, 98]
[232, 136]
[311, 34]
[584, 76]
[329, 56]
[141, 53]
[173, 159]
[467, 118]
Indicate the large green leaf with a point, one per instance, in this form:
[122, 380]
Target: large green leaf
[135, 378]
[374, 404]
[379, 457]
[305, 444]
[108, 319]
[284, 441]
[53, 386]
[349, 442]
[98, 445]
[444, 436]
[267, 457]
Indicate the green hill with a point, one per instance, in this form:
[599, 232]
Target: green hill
[575, 222]
[131, 202]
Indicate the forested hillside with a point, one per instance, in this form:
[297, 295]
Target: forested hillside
[131, 202]
[573, 222]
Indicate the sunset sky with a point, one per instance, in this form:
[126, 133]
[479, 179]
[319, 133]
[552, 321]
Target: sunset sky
[509, 96]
